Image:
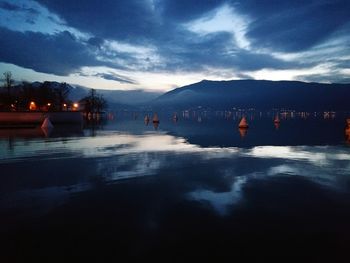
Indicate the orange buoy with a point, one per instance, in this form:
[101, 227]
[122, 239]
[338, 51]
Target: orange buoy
[243, 124]
[277, 119]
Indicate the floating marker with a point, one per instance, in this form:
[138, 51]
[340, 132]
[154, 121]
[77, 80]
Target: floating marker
[175, 118]
[277, 119]
[146, 119]
[47, 124]
[243, 124]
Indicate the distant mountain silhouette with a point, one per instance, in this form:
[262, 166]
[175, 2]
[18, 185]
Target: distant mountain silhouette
[259, 94]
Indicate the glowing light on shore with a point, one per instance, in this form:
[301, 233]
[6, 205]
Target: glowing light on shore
[32, 106]
[75, 106]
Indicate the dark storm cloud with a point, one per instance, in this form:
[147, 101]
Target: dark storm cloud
[16, 8]
[187, 10]
[59, 54]
[122, 19]
[161, 24]
[216, 51]
[282, 25]
[95, 41]
[8, 6]
[293, 25]
[333, 77]
[30, 21]
[134, 22]
[115, 77]
[130, 20]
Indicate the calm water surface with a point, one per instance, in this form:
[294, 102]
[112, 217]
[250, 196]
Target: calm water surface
[193, 189]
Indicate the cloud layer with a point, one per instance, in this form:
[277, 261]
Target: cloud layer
[223, 39]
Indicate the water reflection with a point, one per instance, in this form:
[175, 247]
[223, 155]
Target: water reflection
[21, 133]
[277, 125]
[155, 125]
[347, 130]
[118, 155]
[243, 132]
[146, 120]
[145, 187]
[47, 131]
[221, 201]
[347, 134]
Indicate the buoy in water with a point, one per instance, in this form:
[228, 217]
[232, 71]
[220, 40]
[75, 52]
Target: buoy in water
[243, 124]
[146, 119]
[175, 118]
[277, 119]
[47, 124]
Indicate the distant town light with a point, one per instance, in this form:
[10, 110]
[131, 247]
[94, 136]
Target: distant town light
[32, 106]
[49, 104]
[64, 105]
[75, 105]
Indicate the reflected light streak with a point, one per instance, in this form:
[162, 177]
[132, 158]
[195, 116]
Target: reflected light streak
[108, 144]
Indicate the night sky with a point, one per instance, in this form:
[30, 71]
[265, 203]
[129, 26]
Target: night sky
[162, 44]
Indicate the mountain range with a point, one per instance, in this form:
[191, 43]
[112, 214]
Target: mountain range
[258, 94]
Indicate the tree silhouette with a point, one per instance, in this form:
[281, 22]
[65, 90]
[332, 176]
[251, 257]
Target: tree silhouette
[48, 96]
[8, 82]
[62, 94]
[93, 103]
[7, 99]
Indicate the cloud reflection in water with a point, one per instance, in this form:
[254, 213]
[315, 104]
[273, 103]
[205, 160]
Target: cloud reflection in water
[213, 175]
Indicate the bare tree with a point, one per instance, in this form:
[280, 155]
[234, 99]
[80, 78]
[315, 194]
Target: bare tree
[93, 102]
[62, 93]
[8, 82]
[7, 99]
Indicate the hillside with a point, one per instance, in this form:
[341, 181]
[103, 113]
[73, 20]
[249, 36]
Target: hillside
[259, 94]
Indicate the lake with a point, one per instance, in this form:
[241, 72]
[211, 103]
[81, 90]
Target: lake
[195, 189]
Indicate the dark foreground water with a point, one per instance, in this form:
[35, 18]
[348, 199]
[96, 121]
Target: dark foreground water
[196, 189]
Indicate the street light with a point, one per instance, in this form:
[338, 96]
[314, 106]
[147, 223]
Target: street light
[75, 106]
[32, 105]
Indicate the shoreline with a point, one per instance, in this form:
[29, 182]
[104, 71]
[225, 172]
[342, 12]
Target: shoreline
[32, 119]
